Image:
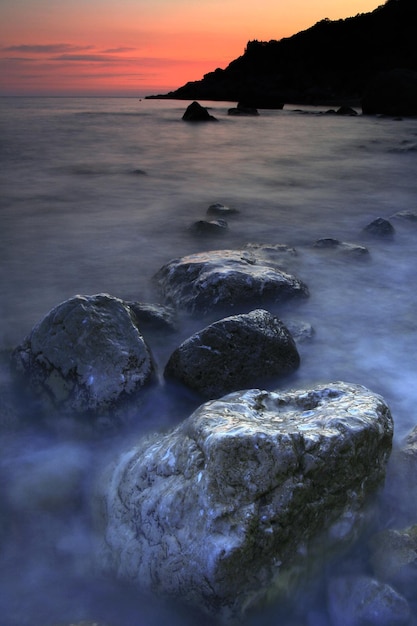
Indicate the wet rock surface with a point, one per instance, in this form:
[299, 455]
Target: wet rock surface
[85, 355]
[219, 510]
[234, 353]
[222, 279]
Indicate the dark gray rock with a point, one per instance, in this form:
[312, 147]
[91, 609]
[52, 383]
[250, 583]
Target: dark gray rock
[154, 316]
[197, 113]
[220, 210]
[242, 110]
[363, 601]
[380, 228]
[392, 92]
[209, 227]
[224, 510]
[85, 355]
[224, 279]
[233, 353]
[351, 249]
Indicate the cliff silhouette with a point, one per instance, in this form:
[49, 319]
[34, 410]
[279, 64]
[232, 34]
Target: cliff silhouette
[331, 62]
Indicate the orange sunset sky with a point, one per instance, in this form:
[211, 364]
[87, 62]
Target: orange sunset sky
[140, 47]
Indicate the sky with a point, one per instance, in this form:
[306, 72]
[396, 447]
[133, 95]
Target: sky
[140, 47]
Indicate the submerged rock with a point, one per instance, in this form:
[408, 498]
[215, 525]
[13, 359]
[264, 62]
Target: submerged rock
[352, 249]
[209, 227]
[225, 509]
[242, 109]
[394, 557]
[85, 355]
[220, 210]
[233, 353]
[406, 215]
[197, 113]
[300, 331]
[364, 601]
[222, 279]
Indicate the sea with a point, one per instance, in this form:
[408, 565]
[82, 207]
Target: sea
[96, 195]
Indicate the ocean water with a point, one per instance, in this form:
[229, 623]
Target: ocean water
[96, 195]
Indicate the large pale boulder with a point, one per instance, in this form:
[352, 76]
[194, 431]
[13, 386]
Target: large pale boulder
[85, 355]
[222, 279]
[222, 510]
[233, 353]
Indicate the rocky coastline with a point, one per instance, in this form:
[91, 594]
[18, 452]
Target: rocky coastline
[367, 61]
[257, 489]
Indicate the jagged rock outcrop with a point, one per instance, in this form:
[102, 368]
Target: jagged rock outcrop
[87, 354]
[225, 508]
[222, 279]
[233, 353]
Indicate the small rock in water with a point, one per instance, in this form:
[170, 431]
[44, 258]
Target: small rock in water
[394, 557]
[212, 227]
[243, 110]
[197, 113]
[328, 243]
[380, 228]
[221, 210]
[409, 216]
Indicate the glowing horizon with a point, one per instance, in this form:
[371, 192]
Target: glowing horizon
[135, 47]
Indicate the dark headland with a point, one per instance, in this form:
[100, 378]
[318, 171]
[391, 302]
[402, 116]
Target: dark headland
[333, 62]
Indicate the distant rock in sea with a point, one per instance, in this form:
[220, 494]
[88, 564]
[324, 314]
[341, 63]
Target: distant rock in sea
[197, 113]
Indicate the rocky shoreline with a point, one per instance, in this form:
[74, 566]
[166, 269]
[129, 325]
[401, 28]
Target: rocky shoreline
[258, 488]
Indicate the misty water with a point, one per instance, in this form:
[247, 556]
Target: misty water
[96, 195]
